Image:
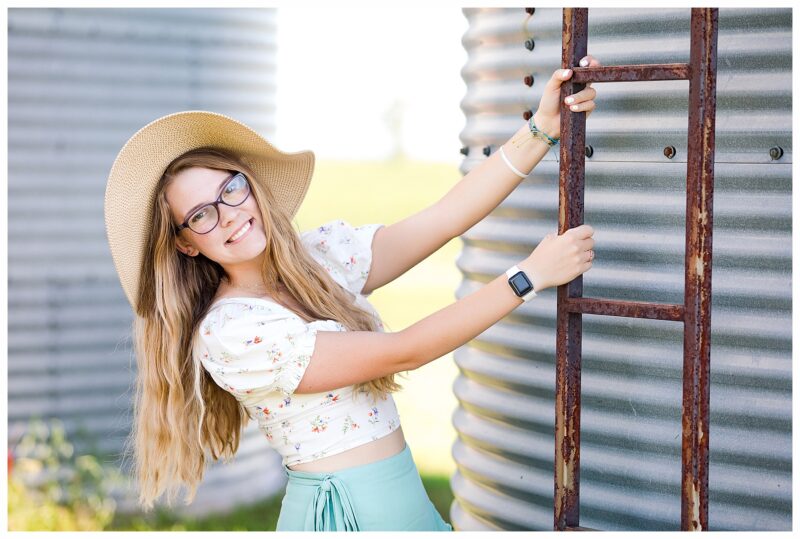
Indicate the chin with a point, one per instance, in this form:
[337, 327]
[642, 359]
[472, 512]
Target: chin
[256, 246]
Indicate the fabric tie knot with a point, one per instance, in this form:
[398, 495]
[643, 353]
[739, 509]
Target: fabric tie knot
[332, 509]
[325, 485]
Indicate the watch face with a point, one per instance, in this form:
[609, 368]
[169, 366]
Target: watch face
[520, 283]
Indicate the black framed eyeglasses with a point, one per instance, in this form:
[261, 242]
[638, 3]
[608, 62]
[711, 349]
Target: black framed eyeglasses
[205, 219]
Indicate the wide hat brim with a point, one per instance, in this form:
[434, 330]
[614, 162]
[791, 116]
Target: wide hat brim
[130, 189]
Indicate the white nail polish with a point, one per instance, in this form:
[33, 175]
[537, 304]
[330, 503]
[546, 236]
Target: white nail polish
[566, 72]
[584, 62]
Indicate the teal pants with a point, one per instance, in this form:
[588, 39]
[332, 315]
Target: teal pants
[385, 495]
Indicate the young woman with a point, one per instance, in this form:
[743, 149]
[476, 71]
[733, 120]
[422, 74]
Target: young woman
[238, 316]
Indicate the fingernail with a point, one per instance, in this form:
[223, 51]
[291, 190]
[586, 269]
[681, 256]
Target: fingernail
[566, 72]
[584, 62]
[569, 100]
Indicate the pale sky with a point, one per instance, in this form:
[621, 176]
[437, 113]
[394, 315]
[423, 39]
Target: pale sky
[341, 70]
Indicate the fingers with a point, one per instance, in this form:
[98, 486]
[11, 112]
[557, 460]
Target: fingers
[589, 61]
[559, 75]
[586, 107]
[582, 101]
[582, 231]
[587, 246]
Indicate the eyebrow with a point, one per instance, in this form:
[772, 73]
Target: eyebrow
[197, 207]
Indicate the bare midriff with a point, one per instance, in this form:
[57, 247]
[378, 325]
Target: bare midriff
[381, 448]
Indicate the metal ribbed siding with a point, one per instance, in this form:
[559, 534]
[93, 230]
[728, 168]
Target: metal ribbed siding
[81, 82]
[635, 200]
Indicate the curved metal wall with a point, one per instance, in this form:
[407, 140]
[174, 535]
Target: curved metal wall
[630, 462]
[80, 83]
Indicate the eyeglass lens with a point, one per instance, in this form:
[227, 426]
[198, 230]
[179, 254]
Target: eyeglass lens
[234, 193]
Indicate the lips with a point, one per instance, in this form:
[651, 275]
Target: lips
[251, 222]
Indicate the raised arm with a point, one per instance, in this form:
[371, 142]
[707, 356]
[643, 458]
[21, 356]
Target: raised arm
[402, 245]
[488, 184]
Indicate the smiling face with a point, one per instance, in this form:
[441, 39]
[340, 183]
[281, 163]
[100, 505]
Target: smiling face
[196, 186]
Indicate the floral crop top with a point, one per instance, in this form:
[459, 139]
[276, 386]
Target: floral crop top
[258, 351]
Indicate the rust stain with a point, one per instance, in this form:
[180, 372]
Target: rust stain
[631, 73]
[694, 313]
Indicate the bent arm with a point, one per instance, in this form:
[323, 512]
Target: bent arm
[350, 357]
[400, 246]
[460, 322]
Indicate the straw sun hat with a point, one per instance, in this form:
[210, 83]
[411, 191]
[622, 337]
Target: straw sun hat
[141, 162]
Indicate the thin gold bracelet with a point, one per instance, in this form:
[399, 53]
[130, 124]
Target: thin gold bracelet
[541, 134]
[521, 140]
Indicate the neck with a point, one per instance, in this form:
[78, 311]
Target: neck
[258, 286]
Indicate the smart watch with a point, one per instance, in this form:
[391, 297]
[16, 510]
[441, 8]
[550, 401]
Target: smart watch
[520, 283]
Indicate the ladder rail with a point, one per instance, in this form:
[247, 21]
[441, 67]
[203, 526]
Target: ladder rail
[695, 313]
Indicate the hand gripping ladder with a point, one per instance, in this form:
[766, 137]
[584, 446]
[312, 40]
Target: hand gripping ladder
[695, 313]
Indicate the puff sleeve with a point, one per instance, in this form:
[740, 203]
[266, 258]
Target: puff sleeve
[344, 250]
[252, 350]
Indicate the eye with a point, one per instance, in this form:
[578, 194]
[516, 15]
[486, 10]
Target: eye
[199, 215]
[236, 183]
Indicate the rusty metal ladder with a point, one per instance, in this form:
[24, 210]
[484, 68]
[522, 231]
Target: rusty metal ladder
[695, 313]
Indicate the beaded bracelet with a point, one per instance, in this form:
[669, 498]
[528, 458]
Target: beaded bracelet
[550, 141]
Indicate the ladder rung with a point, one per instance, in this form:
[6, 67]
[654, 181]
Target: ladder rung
[632, 309]
[629, 73]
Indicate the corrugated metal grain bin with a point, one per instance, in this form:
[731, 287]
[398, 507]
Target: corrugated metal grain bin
[80, 83]
[630, 462]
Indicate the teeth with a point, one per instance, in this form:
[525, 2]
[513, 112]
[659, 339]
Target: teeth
[241, 232]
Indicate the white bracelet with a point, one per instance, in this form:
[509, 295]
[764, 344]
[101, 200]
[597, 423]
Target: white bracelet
[512, 167]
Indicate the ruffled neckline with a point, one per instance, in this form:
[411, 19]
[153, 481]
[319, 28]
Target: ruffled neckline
[245, 299]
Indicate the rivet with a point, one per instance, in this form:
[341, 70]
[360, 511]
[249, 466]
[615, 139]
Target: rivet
[530, 10]
[669, 152]
[529, 44]
[589, 151]
[465, 150]
[527, 115]
[528, 80]
[487, 150]
[776, 152]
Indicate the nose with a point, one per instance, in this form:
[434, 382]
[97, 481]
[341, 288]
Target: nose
[228, 215]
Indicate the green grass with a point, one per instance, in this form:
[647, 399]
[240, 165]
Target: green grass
[261, 516]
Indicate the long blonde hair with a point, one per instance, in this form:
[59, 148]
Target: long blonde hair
[179, 411]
